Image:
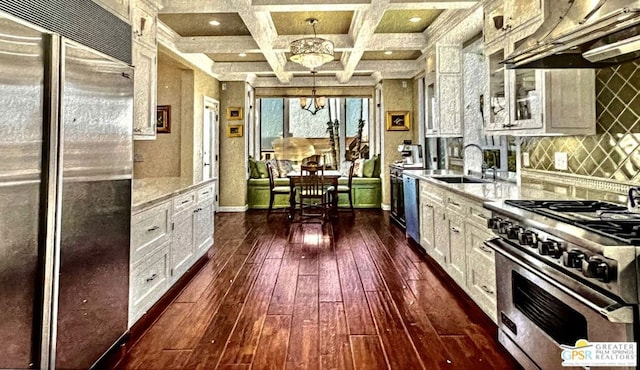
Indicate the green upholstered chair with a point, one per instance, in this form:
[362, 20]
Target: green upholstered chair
[275, 190]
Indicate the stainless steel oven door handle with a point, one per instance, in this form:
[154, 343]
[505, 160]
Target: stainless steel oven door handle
[612, 310]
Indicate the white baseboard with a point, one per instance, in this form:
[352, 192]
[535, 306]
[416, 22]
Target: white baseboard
[233, 209]
[386, 207]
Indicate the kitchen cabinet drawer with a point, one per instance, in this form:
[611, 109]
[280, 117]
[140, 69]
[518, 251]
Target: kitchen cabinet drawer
[455, 203]
[149, 280]
[478, 215]
[205, 193]
[149, 228]
[183, 201]
[430, 191]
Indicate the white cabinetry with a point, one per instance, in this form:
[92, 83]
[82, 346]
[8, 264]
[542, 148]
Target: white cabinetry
[447, 108]
[529, 102]
[144, 58]
[167, 238]
[453, 235]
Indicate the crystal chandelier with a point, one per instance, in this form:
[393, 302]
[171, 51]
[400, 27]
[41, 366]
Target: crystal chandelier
[316, 103]
[312, 52]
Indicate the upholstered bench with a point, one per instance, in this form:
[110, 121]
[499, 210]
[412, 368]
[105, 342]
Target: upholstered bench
[367, 193]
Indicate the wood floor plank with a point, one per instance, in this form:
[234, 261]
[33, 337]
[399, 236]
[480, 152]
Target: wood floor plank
[359, 320]
[277, 248]
[335, 348]
[371, 280]
[284, 292]
[243, 341]
[367, 353]
[400, 350]
[303, 346]
[272, 347]
[330, 290]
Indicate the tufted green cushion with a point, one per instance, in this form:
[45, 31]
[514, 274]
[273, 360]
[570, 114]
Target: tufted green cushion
[368, 166]
[253, 170]
[261, 167]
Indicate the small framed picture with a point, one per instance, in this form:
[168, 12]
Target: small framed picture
[234, 113]
[234, 131]
[163, 120]
[398, 121]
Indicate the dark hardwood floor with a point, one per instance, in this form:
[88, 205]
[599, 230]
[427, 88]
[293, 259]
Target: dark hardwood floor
[273, 298]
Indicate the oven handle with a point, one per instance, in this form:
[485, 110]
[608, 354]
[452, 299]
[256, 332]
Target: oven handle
[612, 310]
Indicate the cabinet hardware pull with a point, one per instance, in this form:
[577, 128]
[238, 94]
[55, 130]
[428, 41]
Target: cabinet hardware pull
[487, 290]
[153, 228]
[454, 203]
[455, 230]
[206, 192]
[185, 201]
[152, 278]
[485, 249]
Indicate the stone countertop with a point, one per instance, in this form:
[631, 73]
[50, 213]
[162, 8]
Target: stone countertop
[151, 190]
[489, 191]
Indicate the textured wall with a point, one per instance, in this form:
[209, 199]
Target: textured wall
[614, 152]
[186, 142]
[395, 98]
[204, 85]
[162, 156]
[233, 179]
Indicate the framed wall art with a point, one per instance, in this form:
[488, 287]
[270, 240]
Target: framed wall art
[163, 119]
[398, 121]
[234, 131]
[234, 113]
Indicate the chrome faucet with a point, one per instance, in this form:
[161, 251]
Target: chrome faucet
[484, 166]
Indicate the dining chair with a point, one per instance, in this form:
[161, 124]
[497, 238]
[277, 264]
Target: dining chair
[347, 189]
[273, 189]
[313, 195]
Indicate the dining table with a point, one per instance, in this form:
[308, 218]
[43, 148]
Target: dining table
[329, 179]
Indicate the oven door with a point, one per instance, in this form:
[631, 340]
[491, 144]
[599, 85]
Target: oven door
[536, 313]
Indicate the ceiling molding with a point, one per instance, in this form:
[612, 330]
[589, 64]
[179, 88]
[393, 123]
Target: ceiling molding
[167, 38]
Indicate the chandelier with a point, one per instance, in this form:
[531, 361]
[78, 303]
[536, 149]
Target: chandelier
[311, 52]
[316, 103]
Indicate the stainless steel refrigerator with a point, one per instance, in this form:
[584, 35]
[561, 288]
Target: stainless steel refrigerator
[65, 199]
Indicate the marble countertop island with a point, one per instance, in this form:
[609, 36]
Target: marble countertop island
[148, 191]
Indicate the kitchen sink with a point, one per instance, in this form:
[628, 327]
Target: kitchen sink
[459, 179]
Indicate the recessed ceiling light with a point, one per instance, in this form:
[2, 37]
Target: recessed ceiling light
[214, 23]
[388, 52]
[415, 19]
[242, 54]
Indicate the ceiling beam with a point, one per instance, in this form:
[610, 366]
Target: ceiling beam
[362, 28]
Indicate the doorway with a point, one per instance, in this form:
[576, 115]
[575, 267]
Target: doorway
[210, 166]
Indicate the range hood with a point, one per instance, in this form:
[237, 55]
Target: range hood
[582, 34]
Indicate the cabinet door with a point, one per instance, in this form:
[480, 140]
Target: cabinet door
[441, 235]
[526, 98]
[457, 251]
[496, 104]
[143, 27]
[481, 274]
[449, 89]
[427, 227]
[182, 243]
[203, 228]
[144, 107]
[493, 23]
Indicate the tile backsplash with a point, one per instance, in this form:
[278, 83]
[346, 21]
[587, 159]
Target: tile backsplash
[613, 153]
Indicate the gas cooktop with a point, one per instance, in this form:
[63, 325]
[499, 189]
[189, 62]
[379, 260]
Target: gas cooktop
[607, 219]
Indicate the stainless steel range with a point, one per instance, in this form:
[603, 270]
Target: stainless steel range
[565, 270]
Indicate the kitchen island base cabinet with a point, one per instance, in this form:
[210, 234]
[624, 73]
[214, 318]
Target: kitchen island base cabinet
[149, 280]
[456, 266]
[481, 271]
[182, 242]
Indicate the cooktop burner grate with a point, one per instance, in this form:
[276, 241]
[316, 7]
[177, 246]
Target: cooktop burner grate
[607, 219]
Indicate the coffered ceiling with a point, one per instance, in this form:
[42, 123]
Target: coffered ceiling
[248, 40]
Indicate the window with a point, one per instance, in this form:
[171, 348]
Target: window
[283, 117]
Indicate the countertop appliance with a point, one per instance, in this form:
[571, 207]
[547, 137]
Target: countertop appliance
[411, 207]
[412, 154]
[565, 270]
[65, 191]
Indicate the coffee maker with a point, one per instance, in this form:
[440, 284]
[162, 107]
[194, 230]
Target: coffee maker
[412, 154]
